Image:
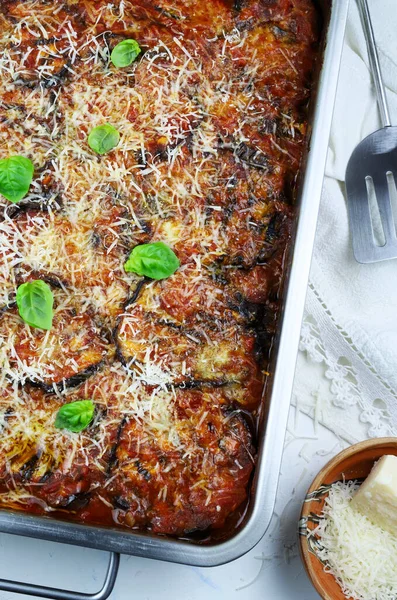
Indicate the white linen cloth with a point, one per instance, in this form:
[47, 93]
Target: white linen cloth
[346, 373]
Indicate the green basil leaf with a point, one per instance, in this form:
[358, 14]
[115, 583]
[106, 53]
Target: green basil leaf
[35, 302]
[124, 54]
[103, 138]
[16, 174]
[75, 416]
[155, 260]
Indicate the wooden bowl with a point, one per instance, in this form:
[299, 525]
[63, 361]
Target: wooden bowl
[353, 463]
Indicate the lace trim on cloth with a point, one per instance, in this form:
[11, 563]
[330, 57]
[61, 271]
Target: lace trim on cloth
[353, 379]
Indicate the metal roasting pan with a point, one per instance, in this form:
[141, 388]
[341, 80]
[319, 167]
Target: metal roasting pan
[277, 397]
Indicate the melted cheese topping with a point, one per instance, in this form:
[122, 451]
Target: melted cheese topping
[211, 135]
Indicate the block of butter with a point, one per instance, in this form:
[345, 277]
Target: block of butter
[377, 496]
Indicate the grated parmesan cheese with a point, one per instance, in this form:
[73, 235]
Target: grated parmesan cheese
[360, 555]
[197, 166]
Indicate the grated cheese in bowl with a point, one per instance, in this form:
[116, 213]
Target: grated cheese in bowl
[359, 554]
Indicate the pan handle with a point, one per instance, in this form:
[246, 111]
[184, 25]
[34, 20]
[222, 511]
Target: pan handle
[57, 594]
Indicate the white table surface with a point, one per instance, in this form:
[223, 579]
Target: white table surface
[271, 571]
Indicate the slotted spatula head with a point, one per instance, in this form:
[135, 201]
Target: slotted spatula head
[375, 158]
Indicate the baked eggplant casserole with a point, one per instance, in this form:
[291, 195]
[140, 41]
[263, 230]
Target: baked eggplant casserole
[149, 153]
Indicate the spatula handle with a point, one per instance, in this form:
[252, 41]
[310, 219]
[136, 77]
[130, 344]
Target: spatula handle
[374, 63]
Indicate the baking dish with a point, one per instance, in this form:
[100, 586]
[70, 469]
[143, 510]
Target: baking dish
[277, 395]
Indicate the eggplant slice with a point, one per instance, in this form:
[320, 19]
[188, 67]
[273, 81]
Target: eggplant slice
[63, 357]
[56, 469]
[87, 256]
[156, 487]
[216, 352]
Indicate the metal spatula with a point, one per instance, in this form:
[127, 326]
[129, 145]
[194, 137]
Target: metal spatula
[375, 158]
